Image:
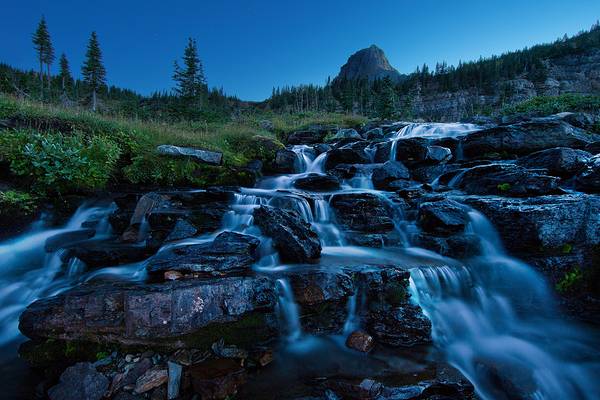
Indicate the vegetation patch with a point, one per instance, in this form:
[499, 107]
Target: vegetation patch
[15, 203]
[571, 281]
[546, 105]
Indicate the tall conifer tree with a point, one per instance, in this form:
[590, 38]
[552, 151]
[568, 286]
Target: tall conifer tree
[93, 70]
[65, 73]
[190, 80]
[45, 52]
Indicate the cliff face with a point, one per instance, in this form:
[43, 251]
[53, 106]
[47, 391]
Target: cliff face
[570, 74]
[370, 63]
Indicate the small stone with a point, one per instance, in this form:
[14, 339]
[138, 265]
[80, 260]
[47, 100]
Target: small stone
[173, 275]
[360, 341]
[265, 358]
[129, 358]
[80, 382]
[174, 382]
[151, 379]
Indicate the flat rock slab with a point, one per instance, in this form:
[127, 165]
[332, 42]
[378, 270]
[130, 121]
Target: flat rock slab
[199, 155]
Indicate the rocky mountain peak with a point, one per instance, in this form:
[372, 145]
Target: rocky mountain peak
[368, 63]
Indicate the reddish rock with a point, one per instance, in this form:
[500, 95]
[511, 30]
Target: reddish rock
[360, 341]
[151, 379]
[173, 275]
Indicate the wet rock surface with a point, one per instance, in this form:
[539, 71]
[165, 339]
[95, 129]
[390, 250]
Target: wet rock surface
[293, 237]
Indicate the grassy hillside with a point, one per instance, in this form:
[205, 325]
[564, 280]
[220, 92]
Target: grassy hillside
[58, 150]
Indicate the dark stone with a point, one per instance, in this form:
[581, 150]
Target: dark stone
[589, 179]
[64, 239]
[183, 313]
[345, 156]
[104, 253]
[363, 212]
[525, 138]
[285, 162]
[593, 148]
[293, 237]
[387, 173]
[182, 230]
[443, 217]
[560, 161]
[198, 155]
[217, 379]
[307, 137]
[375, 133]
[402, 326]
[80, 382]
[317, 183]
[507, 180]
[543, 224]
[461, 245]
[229, 253]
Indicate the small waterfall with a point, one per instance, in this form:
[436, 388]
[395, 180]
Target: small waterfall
[355, 304]
[329, 233]
[29, 272]
[288, 310]
[318, 165]
[495, 319]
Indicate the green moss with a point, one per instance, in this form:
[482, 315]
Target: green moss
[504, 187]
[250, 329]
[571, 281]
[567, 248]
[41, 354]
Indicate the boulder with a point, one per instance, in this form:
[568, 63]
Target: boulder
[107, 252]
[360, 341]
[293, 237]
[374, 134]
[80, 382]
[64, 239]
[387, 173]
[363, 212]
[198, 155]
[559, 161]
[589, 179]
[507, 180]
[285, 162]
[443, 218]
[183, 313]
[347, 134]
[524, 138]
[229, 253]
[438, 154]
[339, 156]
[543, 224]
[182, 230]
[307, 137]
[317, 183]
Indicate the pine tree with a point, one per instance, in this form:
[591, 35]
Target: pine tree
[93, 71]
[65, 73]
[190, 80]
[45, 52]
[387, 98]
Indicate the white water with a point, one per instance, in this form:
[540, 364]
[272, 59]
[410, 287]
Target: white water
[28, 272]
[496, 320]
[493, 316]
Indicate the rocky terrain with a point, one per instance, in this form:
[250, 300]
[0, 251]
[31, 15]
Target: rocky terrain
[232, 291]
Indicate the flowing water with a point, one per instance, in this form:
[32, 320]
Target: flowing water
[493, 316]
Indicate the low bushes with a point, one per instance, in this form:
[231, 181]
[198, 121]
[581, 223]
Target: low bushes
[546, 105]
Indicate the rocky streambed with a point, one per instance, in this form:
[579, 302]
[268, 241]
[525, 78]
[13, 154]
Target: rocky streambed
[377, 264]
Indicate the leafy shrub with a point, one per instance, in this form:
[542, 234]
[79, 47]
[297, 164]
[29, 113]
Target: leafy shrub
[58, 163]
[15, 203]
[545, 105]
[504, 187]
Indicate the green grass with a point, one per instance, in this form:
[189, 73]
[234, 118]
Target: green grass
[546, 105]
[57, 149]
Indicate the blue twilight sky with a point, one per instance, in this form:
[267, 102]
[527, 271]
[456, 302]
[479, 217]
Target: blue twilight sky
[248, 47]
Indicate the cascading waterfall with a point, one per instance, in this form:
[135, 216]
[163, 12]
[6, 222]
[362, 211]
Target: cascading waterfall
[496, 321]
[29, 272]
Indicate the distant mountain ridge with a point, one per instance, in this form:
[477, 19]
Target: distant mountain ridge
[370, 63]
